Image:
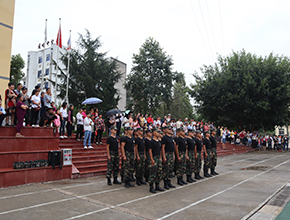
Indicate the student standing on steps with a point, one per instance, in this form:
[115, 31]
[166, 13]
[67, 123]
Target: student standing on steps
[88, 131]
[127, 148]
[113, 157]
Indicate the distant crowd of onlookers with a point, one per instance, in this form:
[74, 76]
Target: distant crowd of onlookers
[38, 109]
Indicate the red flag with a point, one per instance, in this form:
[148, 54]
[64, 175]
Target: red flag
[58, 39]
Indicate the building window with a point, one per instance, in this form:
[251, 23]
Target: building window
[46, 85]
[39, 73]
[47, 57]
[28, 59]
[39, 59]
[281, 132]
[47, 72]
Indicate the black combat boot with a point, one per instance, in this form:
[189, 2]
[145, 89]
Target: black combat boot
[215, 173]
[212, 172]
[142, 181]
[109, 181]
[205, 171]
[130, 184]
[116, 181]
[200, 177]
[126, 184]
[157, 187]
[196, 176]
[192, 180]
[166, 184]
[179, 181]
[188, 179]
[169, 184]
[138, 181]
[151, 189]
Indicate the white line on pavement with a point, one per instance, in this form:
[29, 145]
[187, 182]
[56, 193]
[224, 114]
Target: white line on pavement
[263, 203]
[47, 190]
[146, 197]
[225, 190]
[62, 200]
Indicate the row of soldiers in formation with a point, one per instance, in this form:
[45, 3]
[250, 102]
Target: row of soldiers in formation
[158, 154]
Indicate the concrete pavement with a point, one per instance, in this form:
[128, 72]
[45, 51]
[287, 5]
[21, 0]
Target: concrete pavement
[245, 182]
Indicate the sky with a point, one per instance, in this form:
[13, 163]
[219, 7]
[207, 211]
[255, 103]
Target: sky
[193, 32]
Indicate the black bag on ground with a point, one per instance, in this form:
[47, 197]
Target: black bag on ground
[54, 159]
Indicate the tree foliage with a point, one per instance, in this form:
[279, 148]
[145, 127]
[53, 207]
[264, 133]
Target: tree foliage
[91, 74]
[151, 79]
[244, 90]
[17, 64]
[181, 106]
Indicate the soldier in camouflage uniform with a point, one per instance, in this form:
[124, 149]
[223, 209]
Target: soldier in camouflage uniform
[122, 171]
[182, 156]
[167, 144]
[140, 157]
[190, 163]
[113, 157]
[155, 169]
[213, 151]
[127, 149]
[207, 154]
[148, 137]
[199, 143]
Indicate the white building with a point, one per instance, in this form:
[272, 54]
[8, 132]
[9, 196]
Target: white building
[34, 73]
[122, 68]
[35, 61]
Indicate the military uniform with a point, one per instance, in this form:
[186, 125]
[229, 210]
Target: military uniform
[197, 168]
[129, 153]
[147, 162]
[207, 159]
[214, 155]
[168, 166]
[155, 171]
[181, 165]
[190, 164]
[113, 164]
[140, 165]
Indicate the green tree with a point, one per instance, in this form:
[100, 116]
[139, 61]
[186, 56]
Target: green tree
[151, 79]
[181, 106]
[244, 90]
[17, 64]
[91, 74]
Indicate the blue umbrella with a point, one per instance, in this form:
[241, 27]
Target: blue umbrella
[92, 100]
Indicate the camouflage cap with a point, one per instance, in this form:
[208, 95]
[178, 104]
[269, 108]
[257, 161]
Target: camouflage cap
[128, 128]
[114, 128]
[139, 129]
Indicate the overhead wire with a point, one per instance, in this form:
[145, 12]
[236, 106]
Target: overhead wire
[199, 30]
[211, 27]
[221, 26]
[204, 23]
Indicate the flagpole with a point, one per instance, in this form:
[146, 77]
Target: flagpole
[56, 76]
[43, 59]
[67, 75]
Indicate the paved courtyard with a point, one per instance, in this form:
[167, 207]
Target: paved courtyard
[246, 182]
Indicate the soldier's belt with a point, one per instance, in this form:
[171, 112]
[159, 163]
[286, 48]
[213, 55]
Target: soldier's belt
[114, 152]
[169, 153]
[190, 150]
[181, 151]
[141, 152]
[127, 152]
